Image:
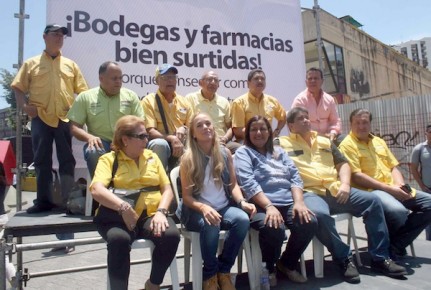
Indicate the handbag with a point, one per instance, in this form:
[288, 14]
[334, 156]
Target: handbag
[107, 215]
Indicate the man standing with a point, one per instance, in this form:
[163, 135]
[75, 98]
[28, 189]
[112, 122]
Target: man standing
[420, 167]
[375, 168]
[166, 116]
[325, 171]
[255, 102]
[99, 109]
[51, 82]
[206, 100]
[321, 106]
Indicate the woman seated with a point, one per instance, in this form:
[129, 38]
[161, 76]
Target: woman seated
[212, 201]
[131, 166]
[269, 179]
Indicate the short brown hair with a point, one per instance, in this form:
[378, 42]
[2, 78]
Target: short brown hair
[125, 126]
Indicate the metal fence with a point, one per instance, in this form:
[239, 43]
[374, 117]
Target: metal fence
[400, 122]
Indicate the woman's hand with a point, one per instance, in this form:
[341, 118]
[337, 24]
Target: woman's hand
[273, 217]
[302, 211]
[211, 216]
[248, 208]
[130, 218]
[159, 224]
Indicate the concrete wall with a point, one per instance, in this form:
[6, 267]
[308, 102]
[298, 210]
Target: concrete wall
[384, 73]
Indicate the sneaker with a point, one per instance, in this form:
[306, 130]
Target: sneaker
[349, 271]
[3, 219]
[225, 281]
[388, 268]
[39, 208]
[210, 283]
[293, 275]
[272, 280]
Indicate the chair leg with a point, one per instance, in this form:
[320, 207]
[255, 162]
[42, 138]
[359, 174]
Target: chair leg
[197, 262]
[174, 275]
[249, 260]
[187, 251]
[412, 249]
[302, 264]
[256, 258]
[318, 257]
[351, 231]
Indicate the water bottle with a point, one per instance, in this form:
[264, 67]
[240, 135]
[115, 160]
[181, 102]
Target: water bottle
[264, 278]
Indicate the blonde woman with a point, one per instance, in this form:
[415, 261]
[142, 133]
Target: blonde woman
[212, 201]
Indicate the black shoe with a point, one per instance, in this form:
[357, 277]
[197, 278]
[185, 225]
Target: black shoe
[66, 250]
[39, 208]
[397, 254]
[349, 271]
[388, 268]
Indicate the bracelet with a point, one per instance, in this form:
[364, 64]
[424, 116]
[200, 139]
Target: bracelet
[124, 206]
[268, 205]
[241, 200]
[163, 211]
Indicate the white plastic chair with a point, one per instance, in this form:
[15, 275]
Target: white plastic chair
[142, 243]
[192, 241]
[318, 249]
[88, 197]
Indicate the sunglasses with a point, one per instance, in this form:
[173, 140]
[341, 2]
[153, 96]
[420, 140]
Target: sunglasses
[142, 136]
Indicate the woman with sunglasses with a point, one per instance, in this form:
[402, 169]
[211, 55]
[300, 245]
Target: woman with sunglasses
[119, 222]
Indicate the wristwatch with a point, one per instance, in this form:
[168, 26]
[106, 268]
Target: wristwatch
[163, 211]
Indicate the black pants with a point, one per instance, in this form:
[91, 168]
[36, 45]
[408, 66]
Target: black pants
[119, 240]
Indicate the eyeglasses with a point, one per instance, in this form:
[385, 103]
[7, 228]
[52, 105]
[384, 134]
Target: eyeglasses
[142, 136]
[169, 78]
[57, 34]
[262, 130]
[210, 80]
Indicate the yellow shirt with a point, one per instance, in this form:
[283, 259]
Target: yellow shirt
[218, 109]
[129, 176]
[247, 106]
[51, 85]
[315, 164]
[177, 113]
[373, 158]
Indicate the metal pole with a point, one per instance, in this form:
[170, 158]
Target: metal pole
[316, 9]
[19, 169]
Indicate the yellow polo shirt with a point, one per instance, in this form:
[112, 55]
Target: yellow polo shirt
[177, 113]
[247, 106]
[51, 85]
[218, 109]
[129, 176]
[373, 158]
[316, 164]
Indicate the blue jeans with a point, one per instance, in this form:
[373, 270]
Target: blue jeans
[326, 231]
[407, 219]
[161, 148]
[234, 220]
[368, 206]
[93, 155]
[271, 239]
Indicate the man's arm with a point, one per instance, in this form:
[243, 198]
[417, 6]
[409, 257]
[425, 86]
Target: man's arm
[344, 173]
[79, 133]
[239, 132]
[21, 101]
[414, 169]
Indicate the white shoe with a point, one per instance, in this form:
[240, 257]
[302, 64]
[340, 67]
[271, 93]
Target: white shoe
[3, 219]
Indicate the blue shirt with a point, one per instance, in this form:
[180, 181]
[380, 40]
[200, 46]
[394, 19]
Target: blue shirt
[274, 174]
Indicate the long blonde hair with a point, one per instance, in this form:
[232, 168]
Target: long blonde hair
[194, 159]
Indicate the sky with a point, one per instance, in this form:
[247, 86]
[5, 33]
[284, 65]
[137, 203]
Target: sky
[390, 21]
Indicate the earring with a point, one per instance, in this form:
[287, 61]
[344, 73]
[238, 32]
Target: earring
[125, 145]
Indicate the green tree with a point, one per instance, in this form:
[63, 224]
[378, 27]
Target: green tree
[6, 78]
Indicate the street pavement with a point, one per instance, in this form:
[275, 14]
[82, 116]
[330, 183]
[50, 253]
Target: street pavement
[42, 262]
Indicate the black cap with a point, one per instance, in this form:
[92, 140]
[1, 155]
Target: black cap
[55, 27]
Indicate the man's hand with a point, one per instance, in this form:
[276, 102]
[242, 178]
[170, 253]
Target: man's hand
[30, 110]
[399, 193]
[94, 143]
[176, 146]
[343, 193]
[273, 217]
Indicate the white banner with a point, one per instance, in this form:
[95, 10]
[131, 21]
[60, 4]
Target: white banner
[230, 37]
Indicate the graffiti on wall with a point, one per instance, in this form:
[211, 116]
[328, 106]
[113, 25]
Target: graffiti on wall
[359, 83]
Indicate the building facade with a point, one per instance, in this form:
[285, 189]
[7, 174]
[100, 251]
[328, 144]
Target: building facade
[357, 66]
[416, 50]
